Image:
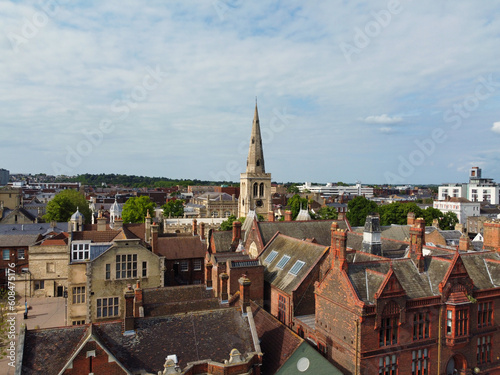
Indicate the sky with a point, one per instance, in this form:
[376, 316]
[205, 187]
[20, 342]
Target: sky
[382, 92]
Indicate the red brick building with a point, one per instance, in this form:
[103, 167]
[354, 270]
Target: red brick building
[416, 314]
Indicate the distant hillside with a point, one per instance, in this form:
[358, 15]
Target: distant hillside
[137, 181]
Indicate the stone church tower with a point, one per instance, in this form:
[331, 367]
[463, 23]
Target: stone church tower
[255, 183]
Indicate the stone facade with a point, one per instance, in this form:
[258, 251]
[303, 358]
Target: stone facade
[48, 265]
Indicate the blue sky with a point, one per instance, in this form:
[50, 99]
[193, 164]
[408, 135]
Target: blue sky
[379, 91]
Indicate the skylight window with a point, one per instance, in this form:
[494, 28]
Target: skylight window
[283, 261]
[297, 267]
[272, 255]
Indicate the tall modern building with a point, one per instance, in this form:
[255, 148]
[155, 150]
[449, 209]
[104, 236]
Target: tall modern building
[4, 177]
[255, 183]
[479, 189]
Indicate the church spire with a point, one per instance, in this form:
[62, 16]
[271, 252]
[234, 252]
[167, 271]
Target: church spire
[255, 161]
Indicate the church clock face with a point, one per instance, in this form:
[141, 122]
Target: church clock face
[259, 203]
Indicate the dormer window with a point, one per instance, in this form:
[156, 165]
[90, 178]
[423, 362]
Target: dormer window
[80, 251]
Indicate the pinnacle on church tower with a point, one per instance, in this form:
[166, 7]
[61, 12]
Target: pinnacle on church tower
[255, 160]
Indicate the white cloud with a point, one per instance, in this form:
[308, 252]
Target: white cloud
[496, 127]
[386, 130]
[383, 119]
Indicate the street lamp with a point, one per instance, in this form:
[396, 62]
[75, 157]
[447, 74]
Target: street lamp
[26, 271]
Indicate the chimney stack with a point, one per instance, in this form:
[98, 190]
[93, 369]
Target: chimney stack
[333, 245]
[208, 274]
[147, 226]
[410, 219]
[202, 231]
[154, 238]
[244, 292]
[128, 321]
[435, 223]
[288, 215]
[491, 235]
[270, 216]
[118, 224]
[236, 232]
[463, 244]
[341, 216]
[138, 310]
[417, 241]
[101, 222]
[340, 241]
[195, 227]
[223, 295]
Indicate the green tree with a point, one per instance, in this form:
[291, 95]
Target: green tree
[327, 213]
[135, 209]
[293, 189]
[358, 209]
[429, 214]
[397, 212]
[448, 221]
[295, 203]
[65, 204]
[173, 208]
[228, 223]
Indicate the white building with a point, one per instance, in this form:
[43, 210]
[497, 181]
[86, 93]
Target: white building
[478, 189]
[333, 189]
[460, 206]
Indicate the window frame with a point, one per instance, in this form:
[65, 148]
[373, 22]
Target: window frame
[78, 293]
[421, 325]
[485, 314]
[483, 353]
[80, 251]
[420, 362]
[388, 365]
[23, 252]
[282, 307]
[126, 266]
[4, 252]
[197, 265]
[105, 305]
[183, 266]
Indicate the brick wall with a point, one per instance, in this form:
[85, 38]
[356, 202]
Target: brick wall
[98, 365]
[491, 233]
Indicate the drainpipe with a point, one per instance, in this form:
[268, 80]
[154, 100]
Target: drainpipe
[439, 338]
[357, 344]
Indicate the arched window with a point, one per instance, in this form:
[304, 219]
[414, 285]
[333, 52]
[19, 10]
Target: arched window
[258, 163]
[261, 190]
[255, 190]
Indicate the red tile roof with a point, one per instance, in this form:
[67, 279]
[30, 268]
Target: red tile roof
[181, 247]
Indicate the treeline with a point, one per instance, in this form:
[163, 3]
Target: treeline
[138, 181]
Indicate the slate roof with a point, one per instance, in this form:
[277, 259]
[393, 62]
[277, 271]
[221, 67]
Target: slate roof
[95, 236]
[35, 228]
[367, 273]
[390, 248]
[179, 299]
[18, 240]
[318, 229]
[297, 250]
[21, 211]
[192, 337]
[46, 351]
[277, 342]
[182, 247]
[222, 240]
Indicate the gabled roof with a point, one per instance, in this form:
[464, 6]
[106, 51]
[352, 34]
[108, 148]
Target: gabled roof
[277, 342]
[96, 236]
[18, 240]
[191, 337]
[46, 351]
[297, 251]
[178, 299]
[317, 229]
[182, 247]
